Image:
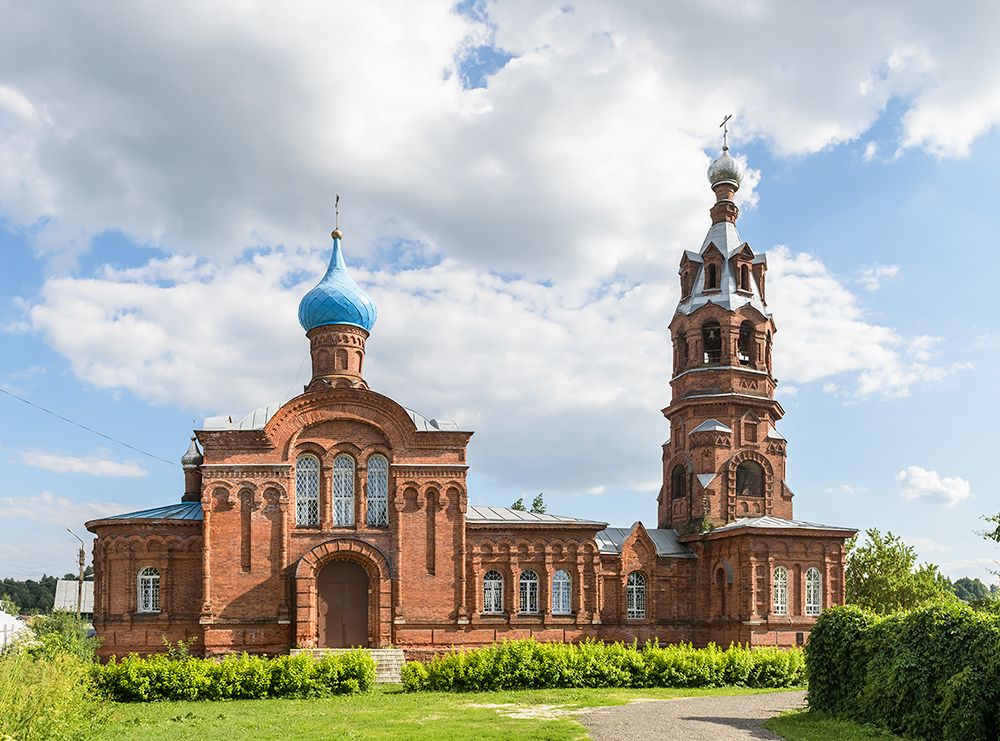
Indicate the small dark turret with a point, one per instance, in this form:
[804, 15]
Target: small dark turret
[191, 462]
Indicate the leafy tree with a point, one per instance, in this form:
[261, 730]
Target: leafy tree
[519, 505]
[9, 606]
[538, 505]
[883, 575]
[971, 590]
[31, 595]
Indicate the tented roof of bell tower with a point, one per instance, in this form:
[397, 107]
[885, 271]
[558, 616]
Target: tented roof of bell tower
[726, 239]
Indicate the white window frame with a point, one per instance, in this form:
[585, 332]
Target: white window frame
[814, 592]
[562, 589]
[343, 491]
[493, 593]
[779, 591]
[635, 595]
[528, 593]
[148, 590]
[378, 491]
[307, 476]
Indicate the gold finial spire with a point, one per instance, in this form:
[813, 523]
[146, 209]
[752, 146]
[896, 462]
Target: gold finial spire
[336, 233]
[725, 132]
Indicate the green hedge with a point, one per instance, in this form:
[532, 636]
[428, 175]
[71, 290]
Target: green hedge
[933, 673]
[237, 677]
[527, 664]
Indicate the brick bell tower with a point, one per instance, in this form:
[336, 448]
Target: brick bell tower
[724, 459]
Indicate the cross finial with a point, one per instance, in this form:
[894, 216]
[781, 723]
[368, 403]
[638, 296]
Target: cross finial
[336, 212]
[725, 131]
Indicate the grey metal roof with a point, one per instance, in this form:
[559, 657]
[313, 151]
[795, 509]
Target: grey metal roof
[67, 592]
[705, 479]
[179, 511]
[711, 425]
[508, 516]
[773, 434]
[610, 540]
[725, 237]
[260, 416]
[768, 522]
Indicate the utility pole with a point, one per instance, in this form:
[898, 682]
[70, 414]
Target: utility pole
[79, 584]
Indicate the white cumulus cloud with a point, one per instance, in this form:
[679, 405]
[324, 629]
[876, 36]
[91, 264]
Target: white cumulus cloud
[90, 465]
[916, 483]
[872, 278]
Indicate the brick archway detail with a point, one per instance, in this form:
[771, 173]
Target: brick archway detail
[379, 571]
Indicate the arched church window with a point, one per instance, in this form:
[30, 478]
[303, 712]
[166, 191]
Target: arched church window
[711, 276]
[378, 491]
[779, 601]
[814, 591]
[343, 491]
[635, 595]
[720, 587]
[493, 593]
[529, 592]
[561, 584]
[745, 278]
[682, 353]
[148, 590]
[307, 490]
[678, 481]
[685, 284]
[711, 335]
[746, 344]
[750, 479]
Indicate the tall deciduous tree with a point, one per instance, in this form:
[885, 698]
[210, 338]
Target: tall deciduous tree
[883, 575]
[538, 505]
[519, 505]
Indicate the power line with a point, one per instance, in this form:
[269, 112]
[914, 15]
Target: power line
[88, 429]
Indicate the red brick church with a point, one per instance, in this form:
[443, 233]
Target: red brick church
[341, 518]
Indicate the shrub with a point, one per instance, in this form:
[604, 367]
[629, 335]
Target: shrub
[47, 697]
[63, 632]
[933, 673]
[526, 664]
[242, 677]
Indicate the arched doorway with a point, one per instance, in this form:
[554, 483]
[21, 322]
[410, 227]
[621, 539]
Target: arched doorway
[342, 589]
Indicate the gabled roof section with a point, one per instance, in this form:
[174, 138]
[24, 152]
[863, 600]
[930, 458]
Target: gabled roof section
[706, 479]
[667, 545]
[507, 516]
[724, 237]
[775, 523]
[711, 425]
[181, 511]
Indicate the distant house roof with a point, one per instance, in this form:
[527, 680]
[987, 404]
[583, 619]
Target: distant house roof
[773, 523]
[610, 540]
[711, 425]
[67, 591]
[508, 516]
[179, 511]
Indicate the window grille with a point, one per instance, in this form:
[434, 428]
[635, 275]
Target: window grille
[529, 592]
[343, 491]
[493, 592]
[635, 591]
[378, 491]
[561, 593]
[780, 588]
[148, 590]
[307, 491]
[814, 592]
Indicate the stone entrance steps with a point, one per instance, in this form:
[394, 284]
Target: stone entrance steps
[388, 661]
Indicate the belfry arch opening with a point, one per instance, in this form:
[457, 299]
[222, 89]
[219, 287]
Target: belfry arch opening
[678, 482]
[744, 277]
[711, 277]
[711, 335]
[747, 348]
[750, 479]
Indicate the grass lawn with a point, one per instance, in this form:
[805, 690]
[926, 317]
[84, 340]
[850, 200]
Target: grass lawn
[386, 713]
[801, 725]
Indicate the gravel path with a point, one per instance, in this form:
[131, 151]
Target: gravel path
[691, 718]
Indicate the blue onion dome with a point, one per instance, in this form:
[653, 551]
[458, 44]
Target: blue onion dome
[725, 169]
[337, 298]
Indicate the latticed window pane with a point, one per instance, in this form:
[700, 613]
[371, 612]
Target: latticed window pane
[148, 591]
[307, 491]
[493, 592]
[814, 592]
[529, 592]
[635, 592]
[780, 603]
[343, 491]
[560, 593]
[378, 491]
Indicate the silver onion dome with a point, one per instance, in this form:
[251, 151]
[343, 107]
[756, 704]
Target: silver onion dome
[193, 457]
[725, 169]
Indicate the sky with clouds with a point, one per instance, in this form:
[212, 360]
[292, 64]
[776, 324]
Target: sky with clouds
[518, 181]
